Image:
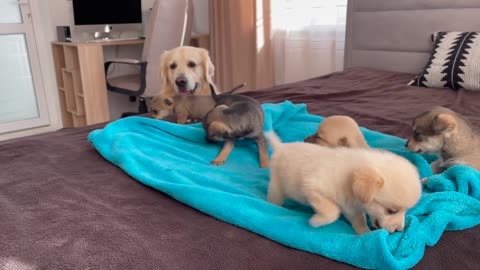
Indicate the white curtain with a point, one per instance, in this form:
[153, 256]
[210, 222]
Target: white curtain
[308, 38]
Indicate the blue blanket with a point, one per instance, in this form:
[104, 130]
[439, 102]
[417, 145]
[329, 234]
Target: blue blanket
[175, 160]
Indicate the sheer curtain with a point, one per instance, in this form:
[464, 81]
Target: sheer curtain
[308, 38]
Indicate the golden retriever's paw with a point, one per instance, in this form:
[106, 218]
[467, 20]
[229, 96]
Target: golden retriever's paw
[217, 162]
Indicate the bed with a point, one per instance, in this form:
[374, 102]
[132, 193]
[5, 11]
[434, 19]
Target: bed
[63, 206]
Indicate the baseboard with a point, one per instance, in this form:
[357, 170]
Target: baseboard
[28, 132]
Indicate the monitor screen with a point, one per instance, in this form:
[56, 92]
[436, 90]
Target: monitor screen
[107, 11]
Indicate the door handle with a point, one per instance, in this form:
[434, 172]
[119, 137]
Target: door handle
[25, 7]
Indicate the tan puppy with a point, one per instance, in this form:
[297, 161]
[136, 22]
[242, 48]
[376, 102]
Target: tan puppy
[348, 181]
[338, 130]
[186, 107]
[186, 71]
[440, 130]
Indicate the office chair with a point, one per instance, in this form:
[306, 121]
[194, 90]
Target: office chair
[169, 26]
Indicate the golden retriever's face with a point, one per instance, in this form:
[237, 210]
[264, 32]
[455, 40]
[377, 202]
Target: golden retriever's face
[186, 70]
[386, 196]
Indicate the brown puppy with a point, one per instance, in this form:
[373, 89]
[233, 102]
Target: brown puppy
[186, 107]
[442, 131]
[186, 70]
[235, 117]
[338, 130]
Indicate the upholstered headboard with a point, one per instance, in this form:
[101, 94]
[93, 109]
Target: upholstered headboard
[395, 34]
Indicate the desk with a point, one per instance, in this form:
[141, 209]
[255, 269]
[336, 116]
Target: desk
[80, 74]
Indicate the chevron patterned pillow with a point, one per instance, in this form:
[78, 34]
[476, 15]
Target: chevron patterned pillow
[454, 62]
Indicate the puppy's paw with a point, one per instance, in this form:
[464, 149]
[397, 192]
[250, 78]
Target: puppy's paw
[264, 164]
[362, 230]
[318, 220]
[274, 196]
[216, 162]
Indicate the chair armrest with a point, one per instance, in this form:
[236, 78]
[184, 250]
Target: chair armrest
[124, 61]
[143, 73]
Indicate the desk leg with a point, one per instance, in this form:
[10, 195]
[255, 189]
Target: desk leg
[93, 83]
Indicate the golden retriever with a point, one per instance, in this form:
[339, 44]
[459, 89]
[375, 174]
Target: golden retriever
[348, 181]
[186, 70]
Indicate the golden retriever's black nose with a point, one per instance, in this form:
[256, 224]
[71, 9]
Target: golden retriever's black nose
[181, 82]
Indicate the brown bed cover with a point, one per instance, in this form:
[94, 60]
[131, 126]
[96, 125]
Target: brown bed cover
[62, 206]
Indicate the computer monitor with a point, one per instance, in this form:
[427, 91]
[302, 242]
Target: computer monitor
[91, 12]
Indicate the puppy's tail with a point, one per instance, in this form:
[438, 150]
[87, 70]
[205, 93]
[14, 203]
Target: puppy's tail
[273, 139]
[213, 93]
[234, 89]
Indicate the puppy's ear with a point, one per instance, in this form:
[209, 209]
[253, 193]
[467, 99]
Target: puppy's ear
[343, 141]
[155, 99]
[366, 182]
[168, 101]
[443, 122]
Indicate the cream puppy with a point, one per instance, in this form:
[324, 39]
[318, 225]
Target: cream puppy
[348, 181]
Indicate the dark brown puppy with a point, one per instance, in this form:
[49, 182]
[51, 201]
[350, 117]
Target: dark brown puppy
[233, 118]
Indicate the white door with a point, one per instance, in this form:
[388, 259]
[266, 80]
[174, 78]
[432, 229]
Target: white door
[22, 93]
